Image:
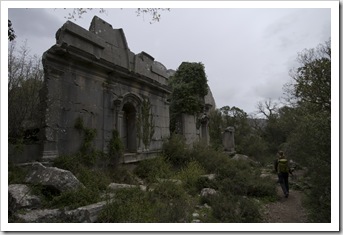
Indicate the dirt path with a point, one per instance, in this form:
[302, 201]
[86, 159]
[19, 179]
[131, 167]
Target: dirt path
[286, 210]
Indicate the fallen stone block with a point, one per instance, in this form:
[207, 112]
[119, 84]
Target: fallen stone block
[20, 196]
[59, 179]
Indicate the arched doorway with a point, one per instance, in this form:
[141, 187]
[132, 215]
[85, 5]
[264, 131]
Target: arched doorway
[129, 128]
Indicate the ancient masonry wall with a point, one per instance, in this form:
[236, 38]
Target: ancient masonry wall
[92, 74]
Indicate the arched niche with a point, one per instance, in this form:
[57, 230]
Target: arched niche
[127, 109]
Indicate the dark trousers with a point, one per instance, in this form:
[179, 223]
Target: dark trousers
[283, 180]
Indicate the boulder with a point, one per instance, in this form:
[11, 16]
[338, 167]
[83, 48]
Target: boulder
[241, 157]
[85, 214]
[41, 216]
[20, 196]
[59, 179]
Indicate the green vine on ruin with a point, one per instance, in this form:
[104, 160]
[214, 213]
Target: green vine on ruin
[145, 123]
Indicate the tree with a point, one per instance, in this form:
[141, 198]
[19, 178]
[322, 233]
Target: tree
[272, 133]
[310, 138]
[11, 33]
[153, 12]
[216, 128]
[268, 108]
[25, 76]
[311, 88]
[312, 80]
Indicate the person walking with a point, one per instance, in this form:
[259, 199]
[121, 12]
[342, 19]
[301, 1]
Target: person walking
[282, 168]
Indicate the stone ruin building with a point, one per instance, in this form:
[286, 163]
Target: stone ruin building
[93, 75]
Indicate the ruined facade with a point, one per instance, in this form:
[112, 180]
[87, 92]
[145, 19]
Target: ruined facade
[93, 75]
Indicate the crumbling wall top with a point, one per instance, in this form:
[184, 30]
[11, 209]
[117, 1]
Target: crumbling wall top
[107, 47]
[115, 37]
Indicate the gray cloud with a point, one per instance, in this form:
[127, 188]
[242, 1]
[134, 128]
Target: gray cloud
[34, 22]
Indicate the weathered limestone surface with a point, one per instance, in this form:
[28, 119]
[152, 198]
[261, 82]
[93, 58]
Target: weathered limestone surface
[59, 179]
[229, 139]
[85, 214]
[189, 128]
[20, 196]
[205, 192]
[92, 74]
[116, 186]
[41, 216]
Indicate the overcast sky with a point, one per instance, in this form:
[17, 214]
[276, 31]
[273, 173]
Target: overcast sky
[247, 52]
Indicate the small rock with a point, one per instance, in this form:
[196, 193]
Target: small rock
[205, 192]
[116, 186]
[196, 221]
[195, 214]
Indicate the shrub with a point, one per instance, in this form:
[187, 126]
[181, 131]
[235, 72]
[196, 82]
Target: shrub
[240, 178]
[171, 203]
[74, 198]
[68, 162]
[167, 203]
[190, 175]
[95, 179]
[16, 174]
[318, 197]
[176, 151]
[208, 158]
[115, 148]
[228, 208]
[262, 188]
[152, 169]
[129, 206]
[204, 182]
[122, 174]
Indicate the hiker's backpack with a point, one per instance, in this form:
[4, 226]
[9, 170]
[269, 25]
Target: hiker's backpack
[283, 166]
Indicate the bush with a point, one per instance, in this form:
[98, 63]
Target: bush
[318, 199]
[228, 208]
[152, 169]
[74, 198]
[204, 182]
[190, 175]
[171, 203]
[95, 179]
[16, 174]
[262, 188]
[122, 174]
[167, 203]
[129, 206]
[176, 151]
[208, 158]
[115, 148]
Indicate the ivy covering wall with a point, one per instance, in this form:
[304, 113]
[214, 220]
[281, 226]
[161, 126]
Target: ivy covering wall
[189, 87]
